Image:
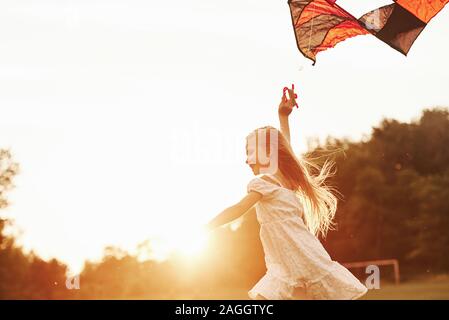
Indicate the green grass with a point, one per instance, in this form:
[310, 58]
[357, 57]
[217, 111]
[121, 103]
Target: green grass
[436, 288]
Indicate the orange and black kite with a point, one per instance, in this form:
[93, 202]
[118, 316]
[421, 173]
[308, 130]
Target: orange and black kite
[321, 24]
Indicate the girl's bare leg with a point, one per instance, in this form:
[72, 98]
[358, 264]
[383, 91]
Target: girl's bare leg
[260, 297]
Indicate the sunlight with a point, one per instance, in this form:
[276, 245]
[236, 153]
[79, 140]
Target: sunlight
[160, 249]
[188, 242]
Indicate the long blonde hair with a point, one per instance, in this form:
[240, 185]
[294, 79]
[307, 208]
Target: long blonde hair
[317, 198]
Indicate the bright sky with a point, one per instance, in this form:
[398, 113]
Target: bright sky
[128, 117]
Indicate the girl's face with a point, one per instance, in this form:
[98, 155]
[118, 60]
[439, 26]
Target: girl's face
[251, 159]
[259, 159]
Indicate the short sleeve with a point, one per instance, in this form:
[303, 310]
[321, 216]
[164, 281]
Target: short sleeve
[261, 186]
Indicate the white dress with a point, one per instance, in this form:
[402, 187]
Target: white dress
[294, 257]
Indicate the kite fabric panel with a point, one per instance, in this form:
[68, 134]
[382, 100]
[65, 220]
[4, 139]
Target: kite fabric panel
[424, 10]
[322, 24]
[399, 24]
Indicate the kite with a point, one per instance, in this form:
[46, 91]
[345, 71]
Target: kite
[322, 24]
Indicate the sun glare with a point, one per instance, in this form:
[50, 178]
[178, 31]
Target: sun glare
[190, 242]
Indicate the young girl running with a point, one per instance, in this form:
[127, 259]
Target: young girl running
[293, 207]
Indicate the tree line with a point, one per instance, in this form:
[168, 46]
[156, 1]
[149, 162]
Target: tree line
[394, 189]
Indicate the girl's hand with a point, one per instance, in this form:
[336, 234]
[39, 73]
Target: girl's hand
[287, 104]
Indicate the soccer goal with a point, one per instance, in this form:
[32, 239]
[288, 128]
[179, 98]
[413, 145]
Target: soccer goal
[388, 262]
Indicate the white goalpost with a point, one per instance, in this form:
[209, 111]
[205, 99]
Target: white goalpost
[386, 262]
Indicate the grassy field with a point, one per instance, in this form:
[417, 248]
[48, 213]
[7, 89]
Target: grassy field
[436, 288]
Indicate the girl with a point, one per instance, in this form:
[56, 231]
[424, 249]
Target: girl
[293, 207]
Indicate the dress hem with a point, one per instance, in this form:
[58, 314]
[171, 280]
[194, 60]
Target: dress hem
[273, 287]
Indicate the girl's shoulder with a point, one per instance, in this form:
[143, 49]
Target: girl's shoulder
[271, 179]
[263, 185]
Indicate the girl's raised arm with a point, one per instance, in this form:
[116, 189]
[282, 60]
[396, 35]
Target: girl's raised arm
[235, 211]
[285, 108]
